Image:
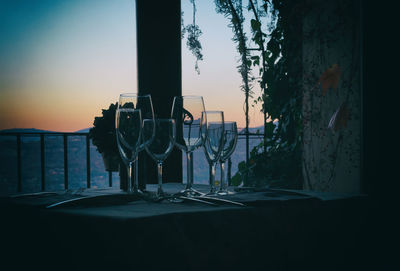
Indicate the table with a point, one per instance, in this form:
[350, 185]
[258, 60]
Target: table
[277, 230]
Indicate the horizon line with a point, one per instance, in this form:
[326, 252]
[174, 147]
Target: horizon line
[75, 131]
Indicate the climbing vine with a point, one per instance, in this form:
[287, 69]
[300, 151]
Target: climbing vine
[277, 160]
[271, 58]
[233, 10]
[194, 33]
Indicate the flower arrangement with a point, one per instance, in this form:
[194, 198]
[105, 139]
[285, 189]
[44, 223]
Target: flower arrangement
[103, 137]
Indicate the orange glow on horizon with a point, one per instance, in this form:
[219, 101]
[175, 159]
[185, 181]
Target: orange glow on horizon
[71, 116]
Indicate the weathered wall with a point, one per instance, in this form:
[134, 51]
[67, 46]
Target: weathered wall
[332, 80]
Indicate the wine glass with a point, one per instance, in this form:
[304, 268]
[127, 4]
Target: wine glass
[187, 113]
[213, 143]
[128, 140]
[230, 140]
[159, 143]
[145, 104]
[128, 132]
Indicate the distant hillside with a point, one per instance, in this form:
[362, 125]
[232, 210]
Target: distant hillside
[26, 130]
[86, 130]
[258, 129]
[33, 130]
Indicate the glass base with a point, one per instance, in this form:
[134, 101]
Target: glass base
[225, 192]
[190, 192]
[211, 193]
[160, 192]
[135, 192]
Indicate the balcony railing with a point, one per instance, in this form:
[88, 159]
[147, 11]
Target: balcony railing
[65, 136]
[42, 136]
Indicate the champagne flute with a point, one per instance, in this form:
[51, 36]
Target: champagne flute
[187, 113]
[213, 144]
[128, 132]
[230, 140]
[159, 143]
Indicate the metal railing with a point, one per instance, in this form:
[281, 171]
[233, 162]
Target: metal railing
[42, 135]
[65, 136]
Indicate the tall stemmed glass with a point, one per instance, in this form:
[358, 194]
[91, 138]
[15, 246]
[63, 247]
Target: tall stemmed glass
[213, 144]
[187, 112]
[230, 140]
[159, 143]
[128, 131]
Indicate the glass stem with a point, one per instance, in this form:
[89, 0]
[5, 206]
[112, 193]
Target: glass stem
[189, 170]
[222, 185]
[129, 184]
[136, 179]
[212, 178]
[160, 191]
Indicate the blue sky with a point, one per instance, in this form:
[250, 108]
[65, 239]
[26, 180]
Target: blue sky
[62, 61]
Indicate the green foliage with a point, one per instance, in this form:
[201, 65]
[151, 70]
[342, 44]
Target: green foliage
[193, 42]
[277, 161]
[194, 33]
[278, 167]
[102, 133]
[232, 9]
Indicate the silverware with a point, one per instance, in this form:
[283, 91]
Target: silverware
[196, 199]
[69, 202]
[222, 200]
[32, 195]
[179, 198]
[97, 199]
[119, 199]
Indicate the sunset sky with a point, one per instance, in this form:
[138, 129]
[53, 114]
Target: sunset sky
[62, 61]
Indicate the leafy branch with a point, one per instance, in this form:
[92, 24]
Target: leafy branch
[278, 60]
[258, 38]
[232, 9]
[277, 160]
[194, 34]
